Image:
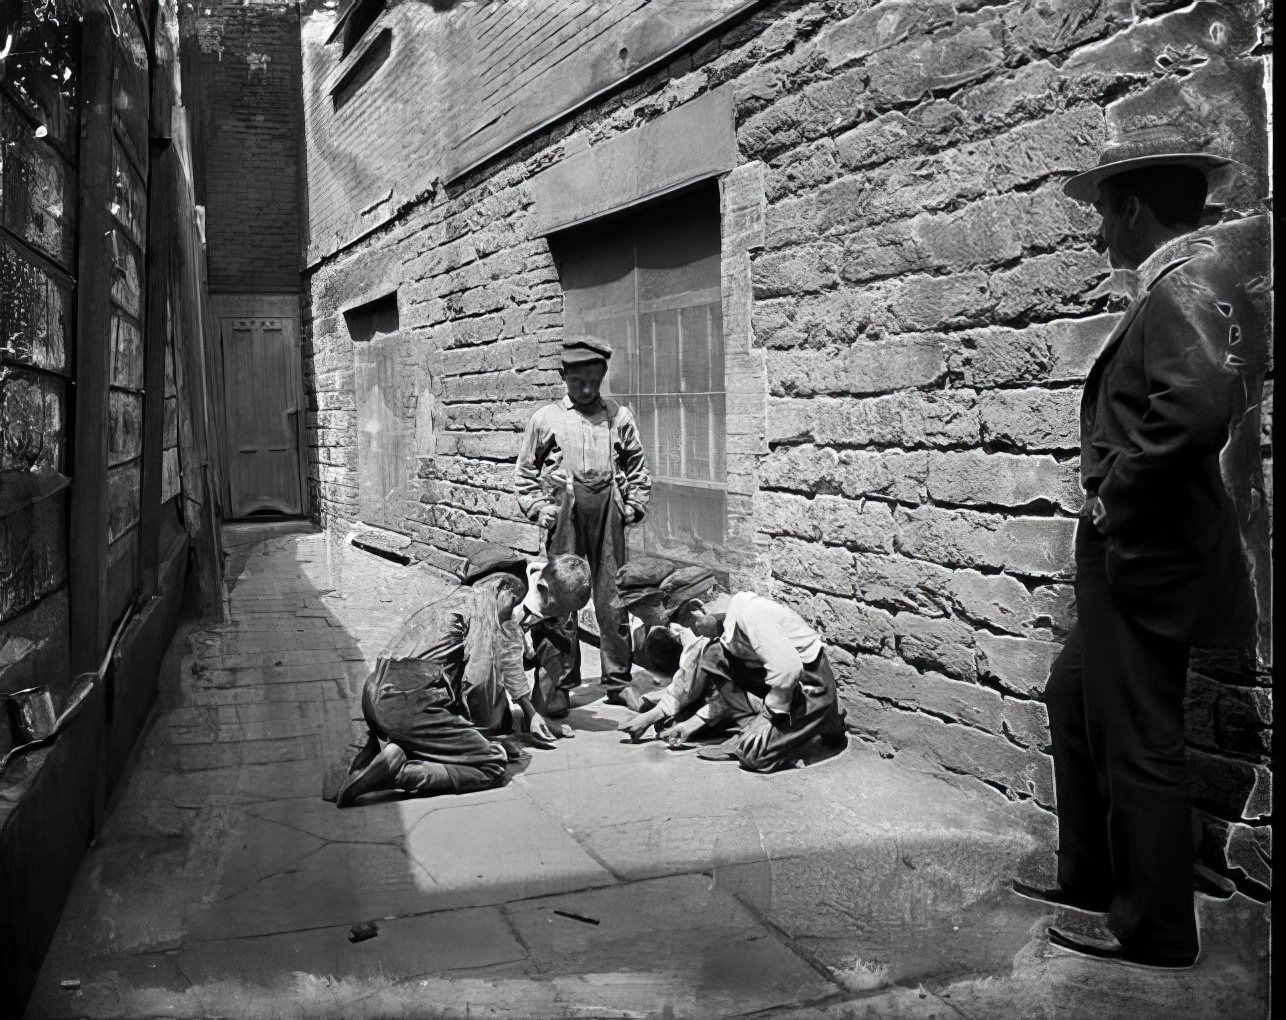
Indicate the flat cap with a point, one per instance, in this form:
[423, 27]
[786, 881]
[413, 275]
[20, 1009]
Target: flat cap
[584, 349]
[493, 559]
[644, 572]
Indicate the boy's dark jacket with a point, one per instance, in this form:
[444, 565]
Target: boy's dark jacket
[1157, 409]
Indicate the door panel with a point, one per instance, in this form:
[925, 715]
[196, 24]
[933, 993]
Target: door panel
[261, 372]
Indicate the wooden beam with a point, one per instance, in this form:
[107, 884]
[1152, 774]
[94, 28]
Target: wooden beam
[90, 431]
[160, 214]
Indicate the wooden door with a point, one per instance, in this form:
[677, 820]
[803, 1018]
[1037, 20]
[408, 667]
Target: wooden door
[263, 409]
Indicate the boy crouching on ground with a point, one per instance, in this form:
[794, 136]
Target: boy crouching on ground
[768, 667]
[440, 693]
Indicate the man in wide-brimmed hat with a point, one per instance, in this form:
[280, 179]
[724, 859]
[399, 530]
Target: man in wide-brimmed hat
[1159, 561]
[582, 477]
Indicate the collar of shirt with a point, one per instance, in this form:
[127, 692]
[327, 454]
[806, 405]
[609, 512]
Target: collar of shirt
[569, 406]
[1151, 268]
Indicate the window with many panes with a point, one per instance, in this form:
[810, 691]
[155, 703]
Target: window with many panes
[648, 282]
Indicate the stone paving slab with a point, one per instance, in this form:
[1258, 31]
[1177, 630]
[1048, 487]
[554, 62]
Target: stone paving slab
[223, 885]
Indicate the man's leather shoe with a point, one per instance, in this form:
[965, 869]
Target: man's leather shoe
[1057, 896]
[377, 775]
[1117, 953]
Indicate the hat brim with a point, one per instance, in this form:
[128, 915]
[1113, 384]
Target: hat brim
[1083, 187]
[626, 600]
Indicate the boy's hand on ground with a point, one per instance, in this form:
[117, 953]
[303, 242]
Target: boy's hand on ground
[539, 732]
[636, 726]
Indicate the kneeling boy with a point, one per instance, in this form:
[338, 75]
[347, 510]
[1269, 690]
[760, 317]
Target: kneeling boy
[439, 691]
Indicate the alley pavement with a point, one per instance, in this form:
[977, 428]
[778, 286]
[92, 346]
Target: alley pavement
[602, 880]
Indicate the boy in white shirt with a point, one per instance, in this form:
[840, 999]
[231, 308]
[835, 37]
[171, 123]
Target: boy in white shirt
[767, 666]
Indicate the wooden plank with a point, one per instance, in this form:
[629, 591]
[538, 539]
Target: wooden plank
[88, 526]
[191, 299]
[126, 427]
[127, 354]
[123, 484]
[159, 271]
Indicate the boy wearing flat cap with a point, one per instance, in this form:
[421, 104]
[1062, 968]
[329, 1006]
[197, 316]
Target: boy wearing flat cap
[582, 477]
[766, 664]
[1159, 561]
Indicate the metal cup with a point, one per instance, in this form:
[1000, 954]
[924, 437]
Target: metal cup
[31, 714]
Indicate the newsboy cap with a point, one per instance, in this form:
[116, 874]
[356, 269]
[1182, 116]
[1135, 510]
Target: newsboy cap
[493, 559]
[1167, 144]
[584, 350]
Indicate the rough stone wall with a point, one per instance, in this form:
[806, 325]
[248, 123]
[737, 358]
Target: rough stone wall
[921, 304]
[249, 145]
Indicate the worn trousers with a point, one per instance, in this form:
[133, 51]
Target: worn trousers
[590, 524]
[767, 743]
[1115, 700]
[445, 752]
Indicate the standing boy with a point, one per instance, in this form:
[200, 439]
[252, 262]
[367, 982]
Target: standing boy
[582, 477]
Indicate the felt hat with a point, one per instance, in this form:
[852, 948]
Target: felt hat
[643, 572]
[684, 584]
[493, 559]
[584, 350]
[1144, 146]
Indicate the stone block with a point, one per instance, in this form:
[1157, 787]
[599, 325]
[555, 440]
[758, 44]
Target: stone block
[792, 271]
[931, 125]
[1026, 546]
[862, 525]
[946, 646]
[1026, 723]
[994, 601]
[1055, 26]
[843, 621]
[852, 473]
[801, 170]
[975, 478]
[1221, 785]
[1047, 286]
[879, 27]
[956, 748]
[865, 368]
[896, 583]
[1250, 849]
[813, 566]
[1019, 665]
[896, 682]
[1031, 419]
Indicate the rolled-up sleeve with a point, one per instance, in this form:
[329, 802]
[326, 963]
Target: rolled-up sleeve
[509, 660]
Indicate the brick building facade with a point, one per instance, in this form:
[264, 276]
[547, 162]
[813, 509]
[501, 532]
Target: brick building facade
[906, 306]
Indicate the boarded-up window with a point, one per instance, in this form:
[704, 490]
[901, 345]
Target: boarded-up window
[387, 402]
[648, 282]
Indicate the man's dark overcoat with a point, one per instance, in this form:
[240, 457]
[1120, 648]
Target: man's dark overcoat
[1157, 409]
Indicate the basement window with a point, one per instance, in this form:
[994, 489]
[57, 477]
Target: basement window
[648, 282]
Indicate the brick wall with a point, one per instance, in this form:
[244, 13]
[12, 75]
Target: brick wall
[249, 145]
[919, 305]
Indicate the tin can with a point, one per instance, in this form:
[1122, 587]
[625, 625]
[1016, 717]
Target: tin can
[31, 714]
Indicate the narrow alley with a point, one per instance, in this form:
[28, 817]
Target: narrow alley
[603, 880]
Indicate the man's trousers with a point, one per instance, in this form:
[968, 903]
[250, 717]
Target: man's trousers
[1115, 699]
[767, 743]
